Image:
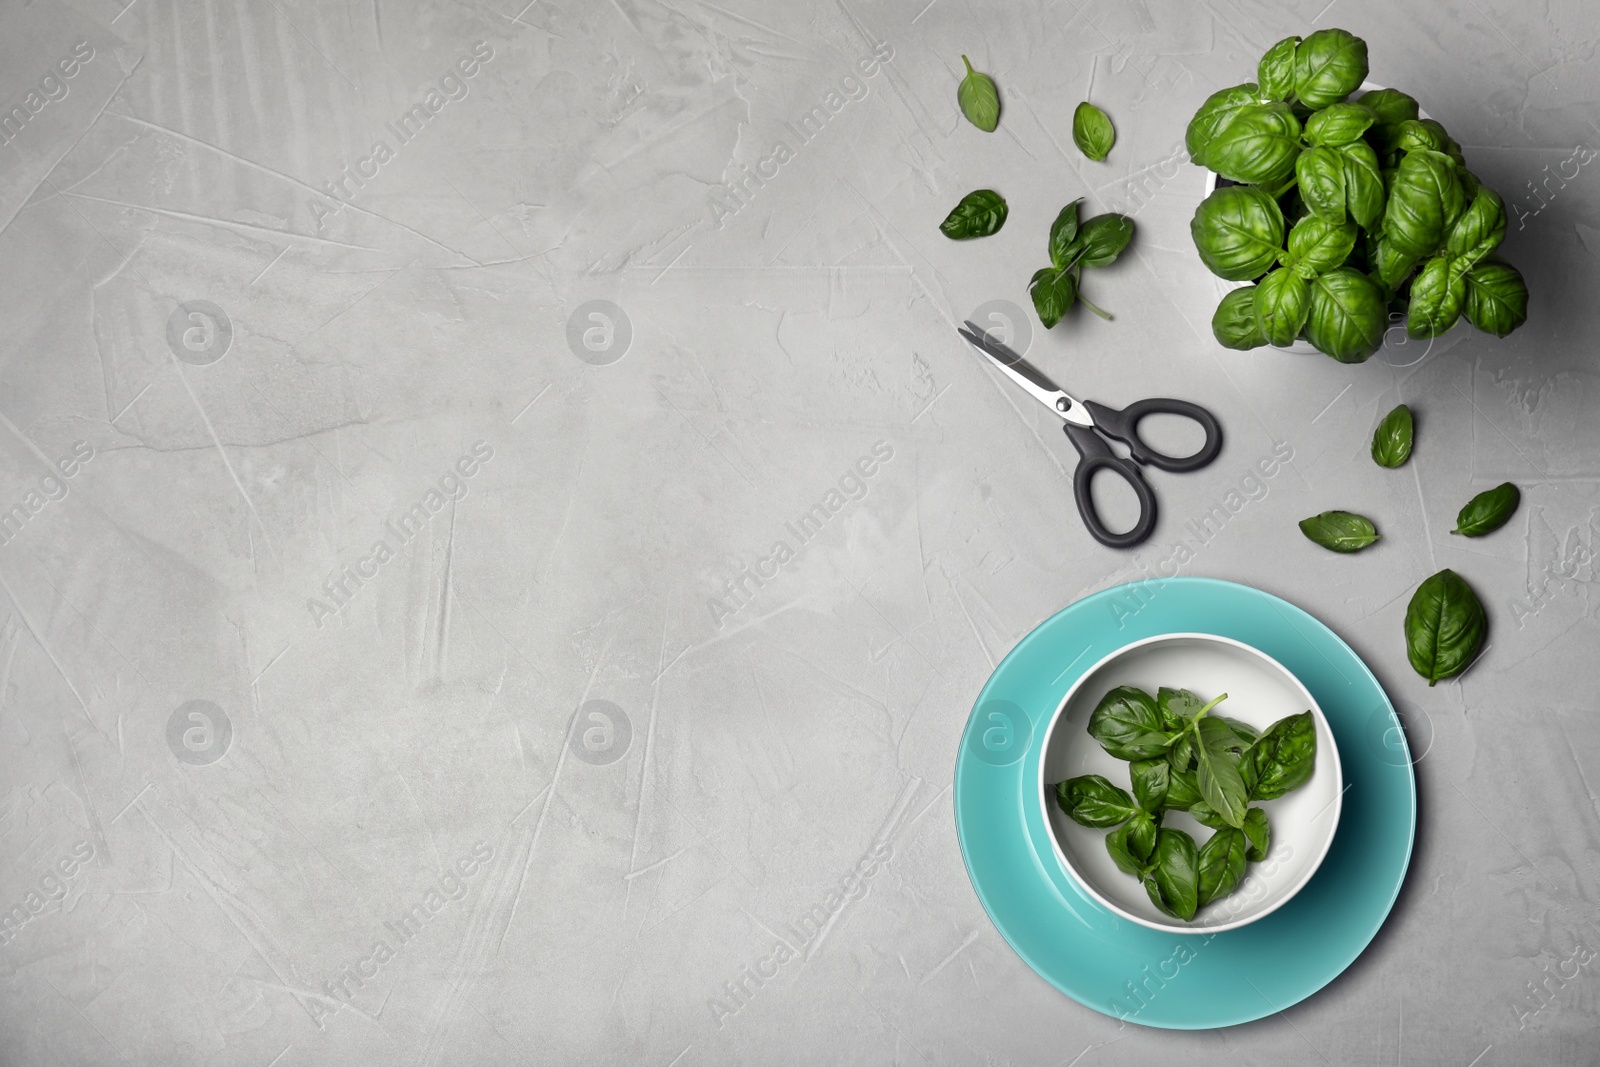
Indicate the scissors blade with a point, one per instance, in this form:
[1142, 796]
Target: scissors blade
[1027, 377]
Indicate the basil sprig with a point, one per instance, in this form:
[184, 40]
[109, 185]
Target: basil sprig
[1097, 242]
[1184, 756]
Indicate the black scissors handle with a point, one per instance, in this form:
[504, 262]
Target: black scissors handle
[1095, 455]
[1124, 426]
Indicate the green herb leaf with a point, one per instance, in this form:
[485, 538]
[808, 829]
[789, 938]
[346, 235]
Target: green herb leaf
[1177, 707]
[1283, 301]
[1438, 294]
[1445, 625]
[1275, 72]
[1425, 199]
[980, 213]
[1283, 757]
[1092, 131]
[1151, 779]
[1320, 245]
[1131, 843]
[1221, 786]
[1238, 231]
[1478, 231]
[1221, 865]
[1183, 789]
[1488, 511]
[1393, 266]
[1127, 725]
[1176, 873]
[1233, 324]
[979, 100]
[1329, 65]
[1320, 172]
[1258, 835]
[1363, 184]
[1414, 135]
[1258, 147]
[1348, 315]
[1391, 442]
[1206, 815]
[1054, 290]
[1497, 297]
[1391, 106]
[1092, 800]
[1102, 239]
[1338, 124]
[1340, 531]
[1063, 235]
[1215, 115]
[1180, 757]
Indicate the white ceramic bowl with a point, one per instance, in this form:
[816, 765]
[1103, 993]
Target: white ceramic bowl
[1260, 692]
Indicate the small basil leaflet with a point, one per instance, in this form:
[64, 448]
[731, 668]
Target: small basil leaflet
[1391, 442]
[1092, 131]
[1488, 511]
[1091, 800]
[979, 100]
[1221, 864]
[980, 213]
[1340, 531]
[1445, 626]
[1258, 835]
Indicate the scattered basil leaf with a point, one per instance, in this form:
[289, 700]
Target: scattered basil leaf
[1283, 757]
[1497, 297]
[1329, 65]
[1283, 301]
[1340, 531]
[1151, 779]
[1391, 442]
[1092, 131]
[1445, 626]
[1348, 315]
[1438, 294]
[1177, 872]
[1258, 835]
[1063, 233]
[1488, 511]
[979, 100]
[1233, 324]
[1127, 725]
[1239, 231]
[1092, 800]
[1054, 290]
[1275, 72]
[980, 213]
[1218, 771]
[1221, 862]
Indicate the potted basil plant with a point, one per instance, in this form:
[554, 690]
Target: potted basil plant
[1339, 212]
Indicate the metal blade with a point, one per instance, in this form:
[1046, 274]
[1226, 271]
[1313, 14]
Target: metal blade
[1027, 377]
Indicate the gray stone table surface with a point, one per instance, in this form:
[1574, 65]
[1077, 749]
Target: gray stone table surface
[403, 401]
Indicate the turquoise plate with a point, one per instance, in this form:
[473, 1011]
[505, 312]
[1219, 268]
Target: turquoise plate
[1183, 982]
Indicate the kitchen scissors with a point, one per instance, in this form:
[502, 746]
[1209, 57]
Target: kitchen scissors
[1087, 424]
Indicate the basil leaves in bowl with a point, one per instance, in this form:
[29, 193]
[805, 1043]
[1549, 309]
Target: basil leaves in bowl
[1159, 865]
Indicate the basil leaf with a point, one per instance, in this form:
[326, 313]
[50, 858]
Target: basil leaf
[1391, 106]
[1391, 442]
[1283, 757]
[1243, 732]
[1141, 835]
[1238, 231]
[1054, 290]
[1363, 184]
[1233, 324]
[1218, 771]
[1445, 624]
[1497, 297]
[1091, 800]
[1320, 172]
[1183, 790]
[1221, 864]
[1177, 707]
[1153, 887]
[1092, 131]
[1392, 265]
[1338, 124]
[1177, 872]
[1062, 234]
[1319, 245]
[1348, 315]
[1120, 843]
[1215, 115]
[1258, 835]
[1283, 300]
[1127, 725]
[1329, 65]
[1488, 511]
[1275, 72]
[1151, 778]
[1180, 757]
[1340, 531]
[1102, 239]
[1479, 230]
[979, 100]
[1438, 293]
[1258, 147]
[980, 213]
[1425, 199]
[1206, 815]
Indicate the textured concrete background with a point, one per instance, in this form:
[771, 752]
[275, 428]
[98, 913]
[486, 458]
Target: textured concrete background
[241, 744]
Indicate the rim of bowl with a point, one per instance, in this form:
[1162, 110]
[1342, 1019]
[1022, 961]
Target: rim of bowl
[1178, 926]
